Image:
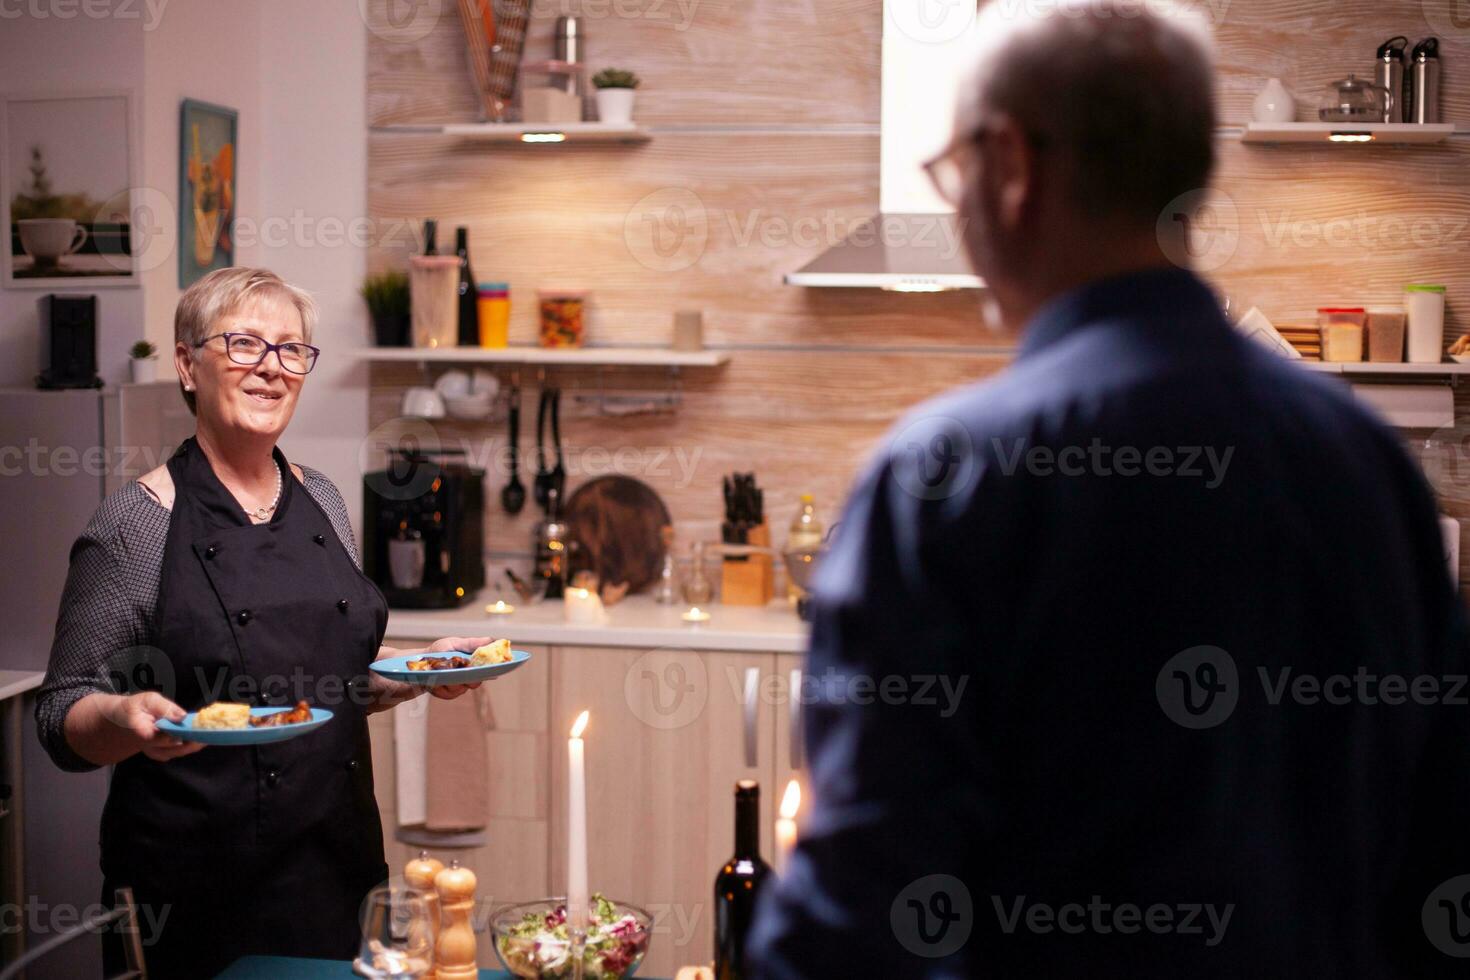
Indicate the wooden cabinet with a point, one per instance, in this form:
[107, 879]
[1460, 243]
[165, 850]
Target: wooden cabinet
[671, 732]
[666, 743]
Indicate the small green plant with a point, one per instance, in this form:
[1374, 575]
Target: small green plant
[142, 350]
[386, 294]
[616, 78]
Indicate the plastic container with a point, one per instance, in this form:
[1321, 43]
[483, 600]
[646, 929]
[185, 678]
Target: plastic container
[1342, 332]
[494, 306]
[1386, 334]
[1424, 304]
[562, 321]
[433, 282]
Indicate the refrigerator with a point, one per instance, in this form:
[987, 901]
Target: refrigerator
[61, 452]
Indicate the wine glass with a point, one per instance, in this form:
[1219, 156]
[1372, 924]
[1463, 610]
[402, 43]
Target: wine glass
[397, 938]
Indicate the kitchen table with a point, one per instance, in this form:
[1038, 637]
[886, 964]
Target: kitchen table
[293, 968]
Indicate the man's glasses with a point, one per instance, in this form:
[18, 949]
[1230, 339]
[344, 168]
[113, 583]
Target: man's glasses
[246, 348]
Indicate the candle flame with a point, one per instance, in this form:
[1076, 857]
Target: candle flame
[580, 725]
[791, 800]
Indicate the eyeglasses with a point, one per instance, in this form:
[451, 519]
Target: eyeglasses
[246, 348]
[951, 169]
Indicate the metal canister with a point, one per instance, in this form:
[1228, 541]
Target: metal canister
[1424, 75]
[1388, 73]
[569, 45]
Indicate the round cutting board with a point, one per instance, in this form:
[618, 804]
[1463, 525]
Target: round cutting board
[615, 523]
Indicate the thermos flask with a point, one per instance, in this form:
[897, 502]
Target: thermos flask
[1388, 73]
[1424, 75]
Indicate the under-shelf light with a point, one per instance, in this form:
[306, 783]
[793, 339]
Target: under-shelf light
[915, 287]
[543, 137]
[1350, 137]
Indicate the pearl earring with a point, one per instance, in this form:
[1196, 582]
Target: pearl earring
[188, 387]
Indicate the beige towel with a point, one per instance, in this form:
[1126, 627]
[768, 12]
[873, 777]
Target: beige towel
[457, 765]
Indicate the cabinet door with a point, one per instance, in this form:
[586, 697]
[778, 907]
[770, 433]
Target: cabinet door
[665, 745]
[790, 749]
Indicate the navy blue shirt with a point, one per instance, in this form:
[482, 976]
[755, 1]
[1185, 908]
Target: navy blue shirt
[1111, 675]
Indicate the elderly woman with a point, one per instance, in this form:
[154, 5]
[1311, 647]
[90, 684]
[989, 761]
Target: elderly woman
[228, 574]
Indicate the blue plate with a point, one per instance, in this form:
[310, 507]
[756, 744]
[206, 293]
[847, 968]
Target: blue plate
[396, 669]
[245, 736]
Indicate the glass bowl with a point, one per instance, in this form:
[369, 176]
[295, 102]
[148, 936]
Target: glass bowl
[531, 939]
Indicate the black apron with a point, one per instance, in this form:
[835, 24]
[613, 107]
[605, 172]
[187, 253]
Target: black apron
[265, 849]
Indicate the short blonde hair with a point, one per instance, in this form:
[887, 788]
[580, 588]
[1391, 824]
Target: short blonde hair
[227, 291]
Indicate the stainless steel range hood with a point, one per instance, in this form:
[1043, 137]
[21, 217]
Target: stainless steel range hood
[914, 243]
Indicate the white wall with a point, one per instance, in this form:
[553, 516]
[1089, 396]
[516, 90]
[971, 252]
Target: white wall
[53, 55]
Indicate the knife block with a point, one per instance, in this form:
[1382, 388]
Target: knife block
[749, 580]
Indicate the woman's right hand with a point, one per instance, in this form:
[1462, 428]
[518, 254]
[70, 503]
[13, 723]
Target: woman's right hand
[139, 714]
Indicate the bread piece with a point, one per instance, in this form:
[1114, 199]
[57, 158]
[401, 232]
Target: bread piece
[223, 714]
[492, 653]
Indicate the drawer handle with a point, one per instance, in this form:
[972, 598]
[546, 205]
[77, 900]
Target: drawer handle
[752, 711]
[794, 749]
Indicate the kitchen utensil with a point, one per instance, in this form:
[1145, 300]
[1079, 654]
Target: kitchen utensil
[1273, 104]
[559, 471]
[1424, 82]
[568, 45]
[552, 547]
[519, 584]
[453, 384]
[1388, 73]
[478, 27]
[1352, 99]
[186, 731]
[513, 494]
[396, 669]
[470, 406]
[616, 523]
[542, 482]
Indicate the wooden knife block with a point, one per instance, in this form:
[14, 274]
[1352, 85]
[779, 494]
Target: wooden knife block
[749, 580]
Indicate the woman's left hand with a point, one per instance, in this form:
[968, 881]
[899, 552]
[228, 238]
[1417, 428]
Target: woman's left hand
[451, 644]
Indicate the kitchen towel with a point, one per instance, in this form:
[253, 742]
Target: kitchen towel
[410, 738]
[456, 765]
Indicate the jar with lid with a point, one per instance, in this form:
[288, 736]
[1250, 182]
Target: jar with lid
[1342, 332]
[1424, 304]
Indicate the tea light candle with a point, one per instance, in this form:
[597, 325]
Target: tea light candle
[500, 608]
[583, 607]
[786, 826]
[696, 615]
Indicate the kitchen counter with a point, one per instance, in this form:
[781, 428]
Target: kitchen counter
[17, 682]
[637, 621]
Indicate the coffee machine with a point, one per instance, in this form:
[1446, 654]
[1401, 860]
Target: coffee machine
[423, 529]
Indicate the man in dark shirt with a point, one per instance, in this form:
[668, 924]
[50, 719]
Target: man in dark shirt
[1142, 659]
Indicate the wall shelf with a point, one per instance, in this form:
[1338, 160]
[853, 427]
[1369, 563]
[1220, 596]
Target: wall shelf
[1346, 133]
[1447, 369]
[657, 357]
[533, 133]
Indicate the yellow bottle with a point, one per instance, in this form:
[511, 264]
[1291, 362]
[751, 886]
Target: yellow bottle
[494, 308]
[805, 532]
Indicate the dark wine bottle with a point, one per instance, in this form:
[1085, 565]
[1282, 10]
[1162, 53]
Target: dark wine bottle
[469, 294]
[431, 237]
[739, 884]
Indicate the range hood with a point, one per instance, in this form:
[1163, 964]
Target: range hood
[914, 243]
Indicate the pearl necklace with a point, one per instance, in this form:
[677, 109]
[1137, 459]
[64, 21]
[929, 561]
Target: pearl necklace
[262, 513]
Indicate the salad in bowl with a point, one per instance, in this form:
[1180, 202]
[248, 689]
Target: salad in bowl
[533, 941]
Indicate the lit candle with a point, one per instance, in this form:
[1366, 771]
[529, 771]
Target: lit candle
[696, 615]
[500, 608]
[786, 826]
[583, 606]
[577, 828]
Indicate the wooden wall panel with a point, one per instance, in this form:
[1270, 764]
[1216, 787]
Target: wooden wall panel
[707, 221]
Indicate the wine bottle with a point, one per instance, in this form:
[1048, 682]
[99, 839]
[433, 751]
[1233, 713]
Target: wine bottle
[739, 884]
[431, 237]
[469, 294]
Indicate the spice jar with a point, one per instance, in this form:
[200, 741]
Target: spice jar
[562, 320]
[1342, 332]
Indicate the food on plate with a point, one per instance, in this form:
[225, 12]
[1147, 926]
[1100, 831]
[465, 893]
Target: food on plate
[222, 714]
[296, 716]
[492, 653]
[454, 662]
[1461, 346]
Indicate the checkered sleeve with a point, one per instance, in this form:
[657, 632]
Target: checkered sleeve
[110, 586]
[326, 494]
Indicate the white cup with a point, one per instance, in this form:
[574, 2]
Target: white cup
[426, 403]
[48, 239]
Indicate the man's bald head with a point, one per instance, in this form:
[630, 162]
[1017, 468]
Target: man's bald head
[1118, 93]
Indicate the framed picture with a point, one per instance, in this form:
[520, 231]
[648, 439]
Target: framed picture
[207, 140]
[68, 189]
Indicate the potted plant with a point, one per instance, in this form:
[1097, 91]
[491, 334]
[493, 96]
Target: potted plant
[387, 299]
[143, 359]
[615, 91]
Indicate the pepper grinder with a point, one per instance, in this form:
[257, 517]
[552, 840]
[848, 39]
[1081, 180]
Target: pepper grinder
[454, 954]
[420, 874]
